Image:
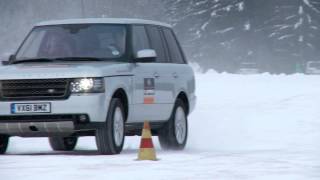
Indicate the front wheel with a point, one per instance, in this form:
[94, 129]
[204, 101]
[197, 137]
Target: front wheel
[4, 141]
[63, 143]
[110, 137]
[174, 134]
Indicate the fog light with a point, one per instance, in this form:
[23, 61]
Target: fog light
[83, 118]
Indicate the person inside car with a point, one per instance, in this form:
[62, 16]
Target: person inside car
[55, 45]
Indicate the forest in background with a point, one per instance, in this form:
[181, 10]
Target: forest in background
[280, 36]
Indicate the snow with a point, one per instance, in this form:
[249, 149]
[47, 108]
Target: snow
[285, 36]
[314, 27]
[309, 19]
[299, 23]
[272, 34]
[301, 38]
[247, 26]
[240, 6]
[225, 30]
[308, 3]
[290, 17]
[203, 27]
[227, 8]
[301, 10]
[244, 127]
[200, 3]
[200, 12]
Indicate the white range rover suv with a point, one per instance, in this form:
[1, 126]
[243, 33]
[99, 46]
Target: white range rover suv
[97, 77]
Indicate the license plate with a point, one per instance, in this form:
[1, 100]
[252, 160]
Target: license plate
[19, 108]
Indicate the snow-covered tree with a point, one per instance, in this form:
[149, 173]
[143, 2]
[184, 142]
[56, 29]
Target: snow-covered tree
[273, 33]
[211, 30]
[294, 31]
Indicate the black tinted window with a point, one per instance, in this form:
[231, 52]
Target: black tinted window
[174, 49]
[140, 39]
[156, 43]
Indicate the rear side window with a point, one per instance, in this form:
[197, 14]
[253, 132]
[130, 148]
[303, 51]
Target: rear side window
[140, 39]
[157, 43]
[174, 49]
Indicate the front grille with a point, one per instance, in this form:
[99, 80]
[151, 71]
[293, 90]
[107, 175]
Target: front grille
[34, 89]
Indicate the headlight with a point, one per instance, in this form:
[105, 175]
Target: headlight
[87, 85]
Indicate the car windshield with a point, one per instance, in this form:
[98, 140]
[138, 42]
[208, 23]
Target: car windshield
[100, 41]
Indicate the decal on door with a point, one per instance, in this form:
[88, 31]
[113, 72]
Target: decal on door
[149, 91]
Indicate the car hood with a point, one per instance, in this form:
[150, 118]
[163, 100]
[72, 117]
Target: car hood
[63, 70]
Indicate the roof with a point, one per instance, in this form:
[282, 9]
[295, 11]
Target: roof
[102, 21]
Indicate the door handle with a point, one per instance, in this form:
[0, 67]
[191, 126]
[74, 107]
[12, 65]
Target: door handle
[156, 75]
[175, 75]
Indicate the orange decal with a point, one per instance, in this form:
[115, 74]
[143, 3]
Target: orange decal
[148, 100]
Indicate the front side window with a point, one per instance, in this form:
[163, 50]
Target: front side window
[140, 39]
[157, 43]
[103, 41]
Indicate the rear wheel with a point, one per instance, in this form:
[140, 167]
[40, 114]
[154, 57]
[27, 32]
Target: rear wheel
[174, 134]
[4, 141]
[63, 143]
[110, 137]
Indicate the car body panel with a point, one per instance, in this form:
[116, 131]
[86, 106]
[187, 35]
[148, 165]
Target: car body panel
[151, 88]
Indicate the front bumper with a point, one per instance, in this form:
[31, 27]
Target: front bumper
[94, 106]
[37, 129]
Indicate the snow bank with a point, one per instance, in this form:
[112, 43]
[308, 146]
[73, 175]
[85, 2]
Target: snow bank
[256, 112]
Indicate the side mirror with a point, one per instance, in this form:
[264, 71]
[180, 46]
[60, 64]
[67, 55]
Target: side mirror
[145, 56]
[12, 57]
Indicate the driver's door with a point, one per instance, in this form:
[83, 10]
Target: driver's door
[152, 95]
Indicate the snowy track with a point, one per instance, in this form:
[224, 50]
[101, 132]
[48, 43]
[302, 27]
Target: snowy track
[244, 127]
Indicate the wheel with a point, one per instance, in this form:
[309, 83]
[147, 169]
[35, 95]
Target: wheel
[4, 141]
[174, 134]
[110, 137]
[63, 143]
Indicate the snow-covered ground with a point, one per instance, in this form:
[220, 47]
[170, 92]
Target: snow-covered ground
[244, 127]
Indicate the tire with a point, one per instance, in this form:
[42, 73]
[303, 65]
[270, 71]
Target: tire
[110, 137]
[174, 134]
[4, 141]
[63, 143]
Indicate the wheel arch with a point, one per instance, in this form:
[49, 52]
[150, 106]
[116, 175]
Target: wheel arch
[121, 94]
[183, 96]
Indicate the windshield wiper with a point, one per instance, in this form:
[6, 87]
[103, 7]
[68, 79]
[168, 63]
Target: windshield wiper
[78, 59]
[33, 60]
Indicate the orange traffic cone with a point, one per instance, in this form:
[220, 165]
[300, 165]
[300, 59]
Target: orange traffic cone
[146, 151]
